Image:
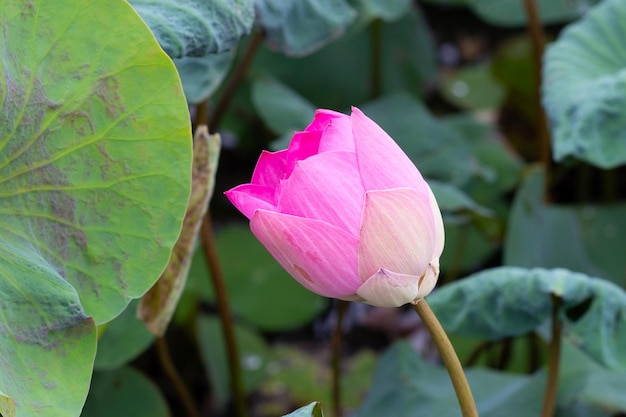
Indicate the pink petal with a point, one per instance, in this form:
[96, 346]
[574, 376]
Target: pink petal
[323, 117]
[325, 187]
[397, 232]
[270, 168]
[337, 136]
[302, 146]
[382, 163]
[429, 280]
[321, 257]
[389, 289]
[439, 230]
[250, 197]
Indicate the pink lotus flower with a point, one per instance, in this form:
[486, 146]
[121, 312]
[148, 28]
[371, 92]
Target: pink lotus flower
[346, 213]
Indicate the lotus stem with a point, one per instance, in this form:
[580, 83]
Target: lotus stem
[235, 80]
[537, 37]
[449, 358]
[549, 401]
[168, 366]
[226, 317]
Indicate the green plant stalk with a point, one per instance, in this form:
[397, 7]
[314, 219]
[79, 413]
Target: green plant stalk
[168, 366]
[449, 358]
[537, 37]
[226, 317]
[336, 361]
[235, 80]
[549, 400]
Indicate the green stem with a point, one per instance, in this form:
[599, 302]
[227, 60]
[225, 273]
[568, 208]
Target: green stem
[537, 37]
[449, 358]
[226, 317]
[341, 309]
[235, 80]
[168, 366]
[549, 401]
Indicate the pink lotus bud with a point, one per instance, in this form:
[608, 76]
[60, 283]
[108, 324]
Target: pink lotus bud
[346, 213]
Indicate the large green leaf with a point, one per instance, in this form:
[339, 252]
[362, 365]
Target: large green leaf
[587, 238]
[510, 301]
[584, 77]
[300, 27]
[94, 179]
[195, 28]
[43, 331]
[406, 385]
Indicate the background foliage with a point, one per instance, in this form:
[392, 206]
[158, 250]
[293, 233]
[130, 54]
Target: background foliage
[94, 182]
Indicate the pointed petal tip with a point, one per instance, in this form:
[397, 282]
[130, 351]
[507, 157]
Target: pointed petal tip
[389, 289]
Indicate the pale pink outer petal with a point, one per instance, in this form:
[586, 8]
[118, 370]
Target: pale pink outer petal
[439, 229]
[325, 187]
[429, 280]
[270, 168]
[320, 256]
[382, 163]
[389, 289]
[248, 198]
[397, 232]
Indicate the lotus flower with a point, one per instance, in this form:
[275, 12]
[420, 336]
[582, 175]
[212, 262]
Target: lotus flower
[346, 213]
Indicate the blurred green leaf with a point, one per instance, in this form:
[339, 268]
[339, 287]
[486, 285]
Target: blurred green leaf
[513, 67]
[473, 88]
[450, 198]
[438, 151]
[583, 380]
[253, 354]
[512, 13]
[195, 28]
[510, 301]
[124, 338]
[388, 10]
[281, 108]
[201, 76]
[335, 76]
[312, 410]
[301, 375]
[584, 78]
[124, 392]
[501, 167]
[300, 27]
[586, 238]
[467, 246]
[260, 290]
[404, 384]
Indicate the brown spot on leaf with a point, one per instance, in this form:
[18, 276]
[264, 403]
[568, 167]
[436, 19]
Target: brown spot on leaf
[107, 90]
